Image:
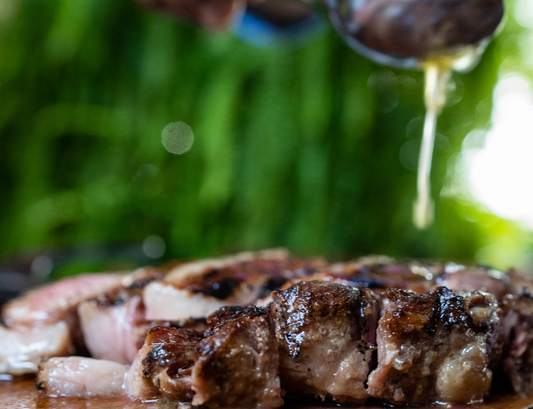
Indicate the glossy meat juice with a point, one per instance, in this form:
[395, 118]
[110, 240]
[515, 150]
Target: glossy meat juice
[435, 36]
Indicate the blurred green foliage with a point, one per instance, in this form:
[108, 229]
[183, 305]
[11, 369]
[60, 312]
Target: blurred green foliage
[294, 146]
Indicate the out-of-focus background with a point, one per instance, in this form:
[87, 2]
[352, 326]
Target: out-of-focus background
[298, 142]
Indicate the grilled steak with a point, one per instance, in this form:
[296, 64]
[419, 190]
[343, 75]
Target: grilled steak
[109, 320]
[199, 288]
[517, 360]
[237, 364]
[437, 346]
[318, 335]
[460, 278]
[325, 333]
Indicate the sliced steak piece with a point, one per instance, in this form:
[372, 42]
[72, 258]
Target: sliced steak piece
[438, 346]
[163, 365]
[378, 273]
[460, 278]
[326, 333]
[517, 360]
[198, 289]
[57, 302]
[21, 348]
[81, 377]
[520, 283]
[237, 363]
[110, 330]
[234, 366]
[109, 321]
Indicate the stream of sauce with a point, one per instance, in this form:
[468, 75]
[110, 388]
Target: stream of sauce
[437, 72]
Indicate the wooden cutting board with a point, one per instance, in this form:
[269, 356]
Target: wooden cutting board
[21, 394]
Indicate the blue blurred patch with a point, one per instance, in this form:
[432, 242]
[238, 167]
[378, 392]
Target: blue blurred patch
[262, 33]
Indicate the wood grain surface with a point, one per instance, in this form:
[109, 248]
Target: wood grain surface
[21, 394]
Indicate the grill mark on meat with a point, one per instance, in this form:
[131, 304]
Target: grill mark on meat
[221, 282]
[437, 346]
[323, 331]
[202, 287]
[237, 364]
[163, 365]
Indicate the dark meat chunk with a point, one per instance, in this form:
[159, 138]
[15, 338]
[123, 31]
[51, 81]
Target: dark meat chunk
[234, 366]
[163, 365]
[237, 364]
[325, 333]
[438, 346]
[517, 360]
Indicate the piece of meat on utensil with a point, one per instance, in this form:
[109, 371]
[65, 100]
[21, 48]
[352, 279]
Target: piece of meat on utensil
[438, 346]
[199, 288]
[325, 332]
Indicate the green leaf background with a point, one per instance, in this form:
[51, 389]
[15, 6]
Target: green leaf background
[294, 146]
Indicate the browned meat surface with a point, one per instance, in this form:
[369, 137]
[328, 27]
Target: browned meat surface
[163, 365]
[520, 283]
[437, 346]
[234, 366]
[517, 361]
[460, 278]
[325, 333]
[378, 273]
[198, 289]
[237, 364]
[143, 327]
[81, 377]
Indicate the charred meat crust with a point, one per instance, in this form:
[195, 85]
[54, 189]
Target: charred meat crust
[168, 361]
[221, 282]
[438, 346]
[237, 364]
[234, 364]
[323, 331]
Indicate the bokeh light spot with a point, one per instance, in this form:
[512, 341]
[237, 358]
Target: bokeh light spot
[499, 172]
[177, 137]
[154, 246]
